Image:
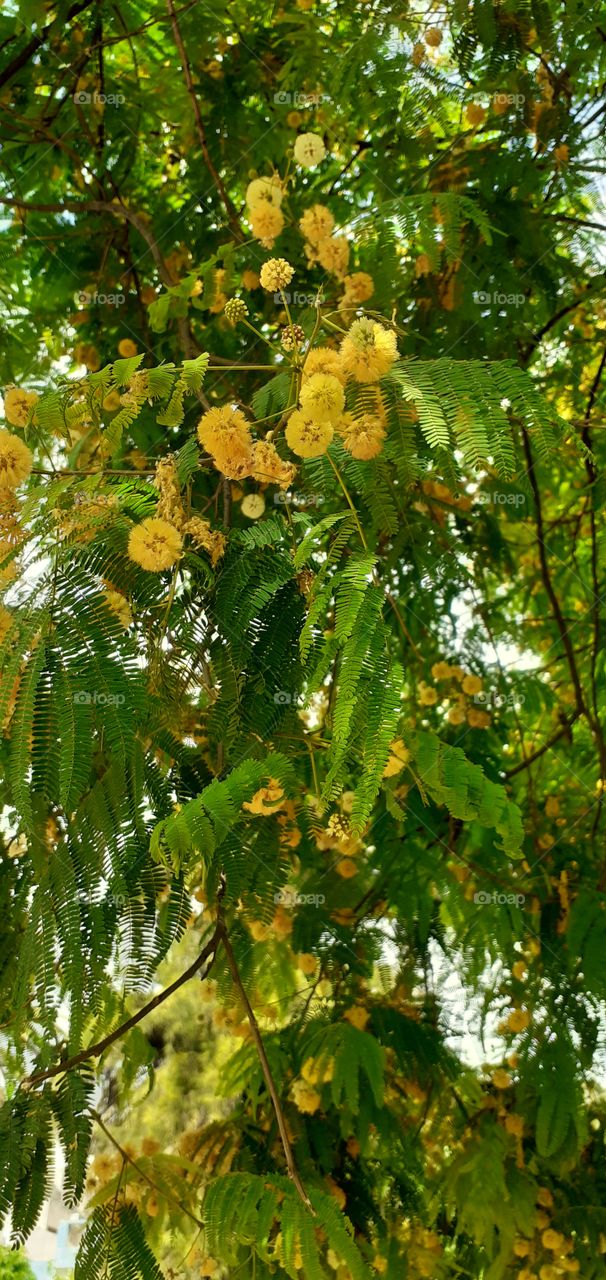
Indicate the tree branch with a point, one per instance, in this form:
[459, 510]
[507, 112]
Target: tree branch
[230, 208]
[265, 1067]
[208, 952]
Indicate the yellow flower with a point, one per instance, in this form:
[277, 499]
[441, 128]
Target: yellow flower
[501, 1079]
[368, 350]
[477, 719]
[202, 535]
[545, 1198]
[322, 397]
[18, 405]
[427, 696]
[86, 353]
[471, 684]
[306, 438]
[522, 1248]
[433, 37]
[399, 756]
[552, 806]
[309, 150]
[359, 286]
[119, 606]
[225, 434]
[252, 506]
[456, 715]
[275, 274]
[346, 868]
[15, 460]
[267, 799]
[264, 191]
[515, 1124]
[441, 671]
[268, 466]
[250, 280]
[155, 545]
[553, 1240]
[333, 254]
[323, 360]
[362, 437]
[518, 1020]
[475, 113]
[317, 223]
[267, 221]
[308, 964]
[126, 348]
[358, 1016]
[305, 1098]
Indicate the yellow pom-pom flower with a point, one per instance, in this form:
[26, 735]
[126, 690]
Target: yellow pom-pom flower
[363, 437]
[126, 348]
[333, 254]
[307, 438]
[323, 360]
[359, 286]
[309, 150]
[368, 351]
[267, 221]
[224, 433]
[322, 398]
[264, 191]
[275, 274]
[15, 461]
[268, 467]
[18, 405]
[155, 545]
[305, 1098]
[317, 223]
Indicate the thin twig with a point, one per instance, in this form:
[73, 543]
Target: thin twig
[265, 1067]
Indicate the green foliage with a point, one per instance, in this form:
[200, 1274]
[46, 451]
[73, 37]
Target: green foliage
[353, 719]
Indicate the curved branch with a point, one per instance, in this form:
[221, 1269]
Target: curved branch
[208, 952]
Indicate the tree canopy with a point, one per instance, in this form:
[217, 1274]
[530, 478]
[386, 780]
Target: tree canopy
[303, 699]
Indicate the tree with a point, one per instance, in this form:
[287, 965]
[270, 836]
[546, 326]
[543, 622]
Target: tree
[303, 687]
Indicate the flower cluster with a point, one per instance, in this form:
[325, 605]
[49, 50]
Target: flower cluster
[264, 198]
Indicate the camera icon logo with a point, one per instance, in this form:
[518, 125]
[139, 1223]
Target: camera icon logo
[81, 98]
[282, 698]
[82, 698]
[281, 98]
[482, 298]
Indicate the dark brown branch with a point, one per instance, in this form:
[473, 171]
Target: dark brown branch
[208, 952]
[21, 59]
[265, 1067]
[564, 732]
[115, 208]
[230, 208]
